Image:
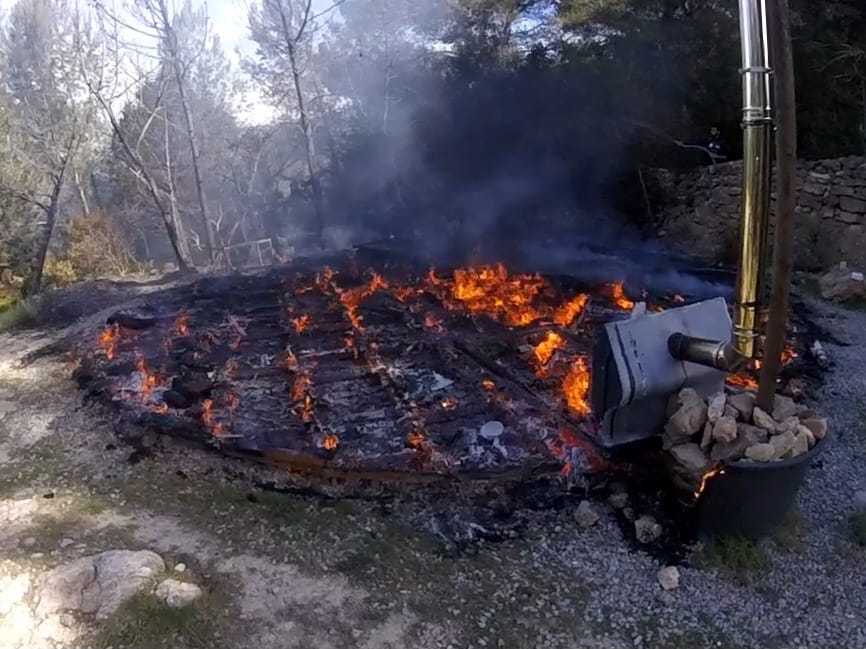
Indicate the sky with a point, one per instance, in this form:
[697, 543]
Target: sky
[229, 22]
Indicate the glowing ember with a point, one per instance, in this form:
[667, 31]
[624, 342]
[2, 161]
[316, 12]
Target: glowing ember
[742, 381]
[161, 409]
[148, 380]
[181, 325]
[300, 387]
[709, 475]
[108, 340]
[302, 322]
[617, 294]
[291, 361]
[433, 323]
[545, 350]
[415, 439]
[330, 442]
[449, 404]
[575, 386]
[216, 429]
[487, 384]
[566, 314]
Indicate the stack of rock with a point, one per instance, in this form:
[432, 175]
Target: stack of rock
[701, 434]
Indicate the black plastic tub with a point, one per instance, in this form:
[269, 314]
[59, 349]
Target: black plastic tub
[751, 499]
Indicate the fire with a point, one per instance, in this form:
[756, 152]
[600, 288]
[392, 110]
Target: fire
[576, 387]
[492, 291]
[487, 384]
[742, 381]
[330, 442]
[325, 280]
[108, 340]
[709, 475]
[181, 325]
[449, 403]
[617, 294]
[415, 438]
[302, 322]
[566, 314]
[291, 361]
[148, 380]
[433, 323]
[545, 350]
[161, 409]
[300, 387]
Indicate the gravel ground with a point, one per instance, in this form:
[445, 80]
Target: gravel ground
[297, 571]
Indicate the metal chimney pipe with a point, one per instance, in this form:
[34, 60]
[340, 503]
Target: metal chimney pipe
[758, 123]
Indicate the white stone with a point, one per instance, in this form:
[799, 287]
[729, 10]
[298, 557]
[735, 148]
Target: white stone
[810, 437]
[762, 420]
[761, 452]
[725, 430]
[744, 402]
[177, 594]
[784, 407]
[491, 430]
[585, 515]
[181, 567]
[789, 425]
[669, 577]
[97, 584]
[817, 426]
[716, 407]
[782, 444]
[799, 447]
[691, 458]
[647, 529]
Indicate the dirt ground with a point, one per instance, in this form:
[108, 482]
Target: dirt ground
[283, 570]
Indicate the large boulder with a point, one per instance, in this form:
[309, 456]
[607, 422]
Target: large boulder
[843, 285]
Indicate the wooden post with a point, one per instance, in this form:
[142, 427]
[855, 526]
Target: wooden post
[786, 198]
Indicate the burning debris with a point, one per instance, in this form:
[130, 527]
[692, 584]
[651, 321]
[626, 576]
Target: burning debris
[367, 374]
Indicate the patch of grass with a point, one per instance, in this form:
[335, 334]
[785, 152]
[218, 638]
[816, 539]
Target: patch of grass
[741, 558]
[146, 621]
[17, 313]
[791, 534]
[857, 526]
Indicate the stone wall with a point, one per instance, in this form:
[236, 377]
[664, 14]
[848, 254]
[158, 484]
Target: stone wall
[698, 212]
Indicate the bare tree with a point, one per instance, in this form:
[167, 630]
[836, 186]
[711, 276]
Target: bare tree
[47, 116]
[156, 13]
[108, 84]
[283, 30]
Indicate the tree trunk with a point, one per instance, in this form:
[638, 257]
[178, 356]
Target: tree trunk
[176, 226]
[190, 130]
[37, 269]
[172, 225]
[82, 195]
[309, 144]
[786, 176]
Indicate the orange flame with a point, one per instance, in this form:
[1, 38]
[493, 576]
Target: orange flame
[415, 438]
[291, 361]
[545, 350]
[330, 442]
[617, 294]
[566, 314]
[301, 323]
[300, 387]
[448, 403]
[576, 387]
[148, 380]
[709, 475]
[108, 340]
[492, 291]
[181, 325]
[487, 384]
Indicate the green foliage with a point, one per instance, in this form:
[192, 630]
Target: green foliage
[145, 621]
[739, 557]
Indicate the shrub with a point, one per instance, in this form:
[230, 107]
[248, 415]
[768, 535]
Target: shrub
[94, 248]
[59, 271]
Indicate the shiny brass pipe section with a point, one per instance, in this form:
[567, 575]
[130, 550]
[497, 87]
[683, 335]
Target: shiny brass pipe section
[751, 287]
